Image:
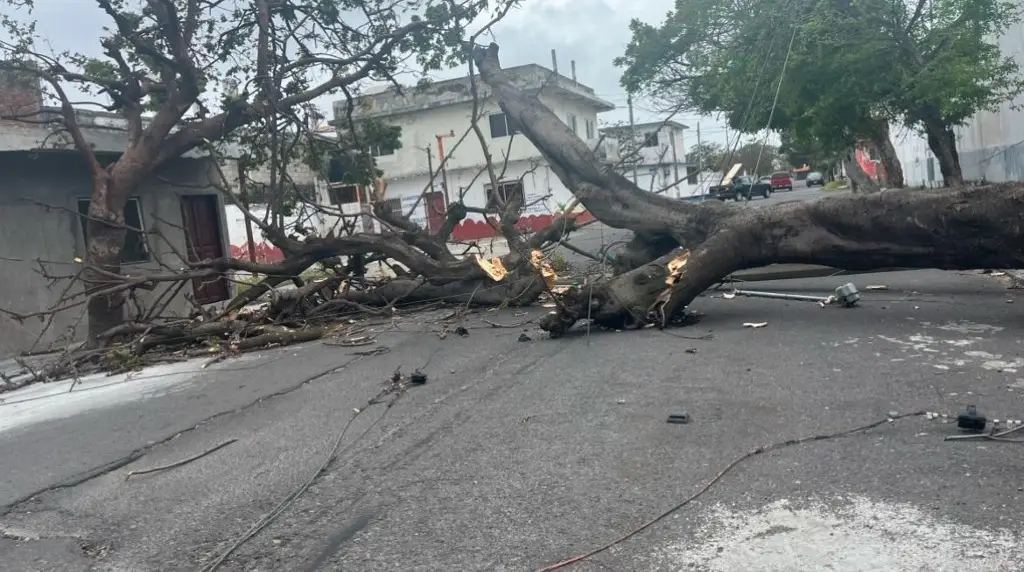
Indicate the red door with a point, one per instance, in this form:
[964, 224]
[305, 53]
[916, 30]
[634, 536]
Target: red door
[435, 211]
[203, 241]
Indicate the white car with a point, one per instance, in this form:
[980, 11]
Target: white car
[815, 178]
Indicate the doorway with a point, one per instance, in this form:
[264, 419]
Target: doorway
[204, 240]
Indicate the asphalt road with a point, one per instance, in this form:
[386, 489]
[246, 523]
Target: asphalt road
[515, 455]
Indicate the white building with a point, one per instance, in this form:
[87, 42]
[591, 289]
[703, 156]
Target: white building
[991, 144]
[436, 125]
[656, 154]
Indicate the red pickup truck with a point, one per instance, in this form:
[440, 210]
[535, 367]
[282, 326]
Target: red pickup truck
[782, 180]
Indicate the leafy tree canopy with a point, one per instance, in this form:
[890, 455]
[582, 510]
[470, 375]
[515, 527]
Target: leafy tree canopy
[851, 63]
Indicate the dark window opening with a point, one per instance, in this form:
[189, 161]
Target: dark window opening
[337, 168]
[507, 191]
[345, 194]
[502, 126]
[134, 242]
[651, 140]
[381, 150]
[691, 175]
[394, 205]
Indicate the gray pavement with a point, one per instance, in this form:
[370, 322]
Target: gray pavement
[518, 454]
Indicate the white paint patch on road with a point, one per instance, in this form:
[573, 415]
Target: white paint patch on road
[862, 535]
[43, 402]
[964, 327]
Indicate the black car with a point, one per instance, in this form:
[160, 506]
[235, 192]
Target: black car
[743, 188]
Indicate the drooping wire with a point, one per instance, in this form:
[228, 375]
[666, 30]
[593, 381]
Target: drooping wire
[775, 101]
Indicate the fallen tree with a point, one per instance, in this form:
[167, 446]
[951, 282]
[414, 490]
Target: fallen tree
[963, 228]
[679, 249]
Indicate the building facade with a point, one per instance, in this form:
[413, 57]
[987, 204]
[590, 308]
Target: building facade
[654, 156]
[441, 160]
[44, 198]
[990, 144]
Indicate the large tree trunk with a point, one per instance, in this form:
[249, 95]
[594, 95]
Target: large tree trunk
[105, 241]
[860, 182]
[942, 142]
[882, 140]
[958, 229]
[106, 232]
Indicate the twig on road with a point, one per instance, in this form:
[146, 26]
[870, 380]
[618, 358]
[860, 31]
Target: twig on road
[182, 462]
[718, 477]
[336, 450]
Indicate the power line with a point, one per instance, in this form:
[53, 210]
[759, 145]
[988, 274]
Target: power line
[775, 101]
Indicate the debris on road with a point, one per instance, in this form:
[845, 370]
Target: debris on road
[971, 420]
[754, 324]
[845, 295]
[417, 378]
[525, 338]
[182, 462]
[461, 331]
[681, 417]
[877, 287]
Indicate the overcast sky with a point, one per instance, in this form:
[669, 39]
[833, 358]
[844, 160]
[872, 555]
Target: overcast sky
[591, 32]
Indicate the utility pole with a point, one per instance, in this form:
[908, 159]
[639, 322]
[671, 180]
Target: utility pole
[430, 166]
[675, 158]
[632, 134]
[700, 157]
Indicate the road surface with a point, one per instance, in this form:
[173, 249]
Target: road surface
[516, 455]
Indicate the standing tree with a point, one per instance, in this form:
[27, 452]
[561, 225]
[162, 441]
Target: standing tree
[163, 57]
[850, 68]
[709, 156]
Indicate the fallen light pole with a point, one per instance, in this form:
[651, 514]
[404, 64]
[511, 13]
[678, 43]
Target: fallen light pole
[845, 295]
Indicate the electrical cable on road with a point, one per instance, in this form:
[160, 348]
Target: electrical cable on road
[772, 447]
[336, 450]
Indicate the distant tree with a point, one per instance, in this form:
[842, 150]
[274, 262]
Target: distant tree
[853, 67]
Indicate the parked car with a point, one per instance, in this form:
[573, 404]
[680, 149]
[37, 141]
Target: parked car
[743, 188]
[815, 178]
[781, 181]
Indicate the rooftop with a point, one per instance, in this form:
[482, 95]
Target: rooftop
[532, 78]
[643, 126]
[106, 132]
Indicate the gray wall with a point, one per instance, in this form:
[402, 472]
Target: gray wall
[39, 221]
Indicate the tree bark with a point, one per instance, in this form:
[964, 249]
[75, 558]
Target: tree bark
[859, 180]
[882, 140]
[105, 234]
[942, 142]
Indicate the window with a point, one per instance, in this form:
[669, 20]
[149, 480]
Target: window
[134, 242]
[502, 126]
[589, 126]
[507, 191]
[931, 169]
[570, 120]
[345, 194]
[393, 205]
[381, 150]
[651, 139]
[691, 175]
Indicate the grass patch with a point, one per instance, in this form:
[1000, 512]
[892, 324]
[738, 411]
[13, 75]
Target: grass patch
[835, 185]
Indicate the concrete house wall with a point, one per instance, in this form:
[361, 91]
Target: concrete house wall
[39, 222]
[446, 108]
